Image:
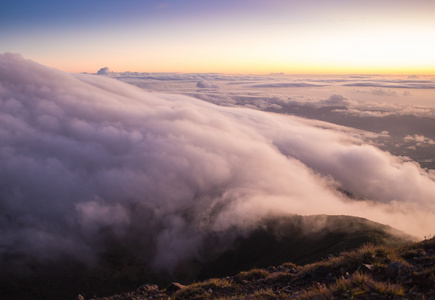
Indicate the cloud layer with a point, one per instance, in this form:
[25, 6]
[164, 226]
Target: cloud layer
[86, 160]
[377, 106]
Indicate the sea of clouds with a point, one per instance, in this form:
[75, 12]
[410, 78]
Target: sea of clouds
[86, 160]
[392, 108]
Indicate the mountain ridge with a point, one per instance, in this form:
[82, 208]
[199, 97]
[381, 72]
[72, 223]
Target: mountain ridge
[369, 272]
[274, 241]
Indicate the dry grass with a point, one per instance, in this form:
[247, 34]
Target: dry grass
[351, 260]
[364, 273]
[358, 286]
[253, 274]
[202, 290]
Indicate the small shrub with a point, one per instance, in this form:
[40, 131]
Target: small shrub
[289, 265]
[200, 290]
[253, 274]
[193, 291]
[367, 254]
[267, 294]
[214, 283]
[357, 286]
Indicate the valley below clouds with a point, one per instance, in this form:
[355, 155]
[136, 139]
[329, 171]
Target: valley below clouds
[88, 161]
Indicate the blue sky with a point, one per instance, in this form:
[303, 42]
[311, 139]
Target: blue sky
[254, 36]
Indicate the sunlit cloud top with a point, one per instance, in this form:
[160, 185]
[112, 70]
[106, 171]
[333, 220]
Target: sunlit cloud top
[242, 36]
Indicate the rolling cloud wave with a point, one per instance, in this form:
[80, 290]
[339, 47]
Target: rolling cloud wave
[86, 160]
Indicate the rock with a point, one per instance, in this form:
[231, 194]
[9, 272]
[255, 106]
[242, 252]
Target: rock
[148, 289]
[366, 268]
[394, 269]
[173, 287]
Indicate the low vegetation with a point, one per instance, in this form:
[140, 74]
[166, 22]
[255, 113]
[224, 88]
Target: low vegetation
[297, 245]
[370, 272]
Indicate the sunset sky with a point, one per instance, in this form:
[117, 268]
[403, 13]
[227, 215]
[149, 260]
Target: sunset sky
[237, 36]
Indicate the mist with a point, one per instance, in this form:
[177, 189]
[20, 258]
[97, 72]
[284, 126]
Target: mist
[87, 160]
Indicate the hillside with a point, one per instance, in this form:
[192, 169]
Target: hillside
[370, 272]
[272, 242]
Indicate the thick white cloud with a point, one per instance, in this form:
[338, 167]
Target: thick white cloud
[86, 157]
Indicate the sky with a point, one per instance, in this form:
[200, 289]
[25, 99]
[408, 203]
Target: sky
[255, 36]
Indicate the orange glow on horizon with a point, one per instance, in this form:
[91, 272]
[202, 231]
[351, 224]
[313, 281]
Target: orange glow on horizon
[244, 69]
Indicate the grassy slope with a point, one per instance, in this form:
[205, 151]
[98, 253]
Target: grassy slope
[369, 272]
[298, 239]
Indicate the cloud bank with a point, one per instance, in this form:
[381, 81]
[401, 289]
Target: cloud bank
[87, 160]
